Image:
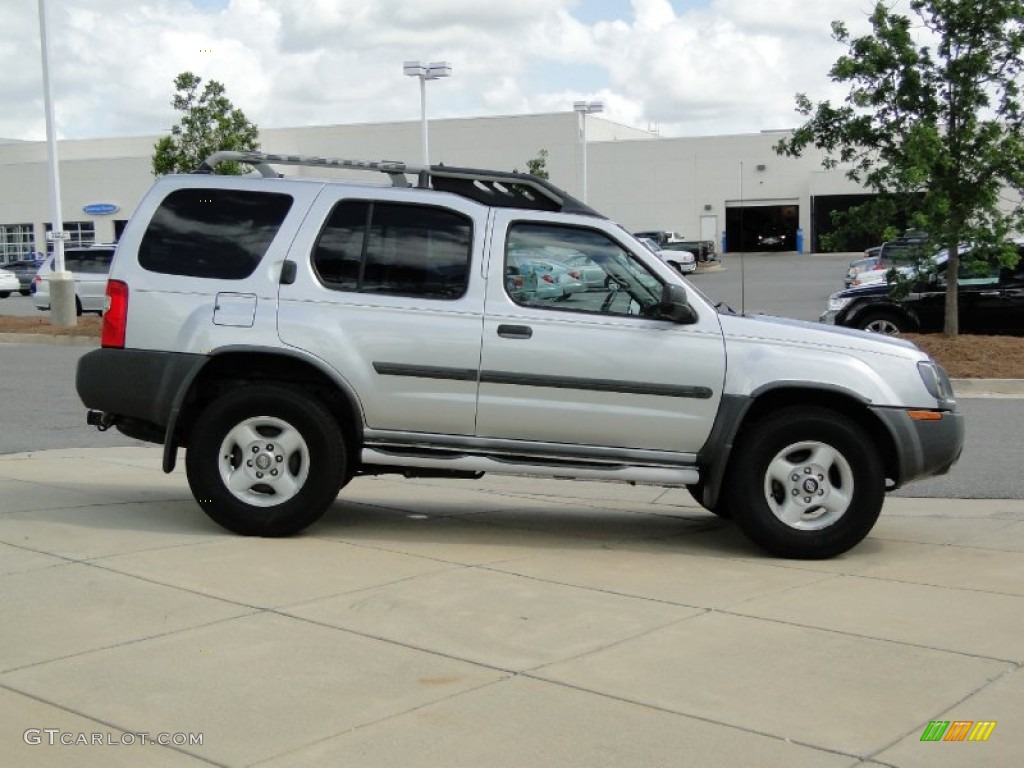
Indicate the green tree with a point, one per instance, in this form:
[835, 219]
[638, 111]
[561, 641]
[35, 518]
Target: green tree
[209, 123]
[936, 125]
[538, 166]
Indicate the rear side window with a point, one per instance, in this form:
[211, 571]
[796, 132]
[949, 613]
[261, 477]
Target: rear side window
[213, 233]
[94, 261]
[396, 249]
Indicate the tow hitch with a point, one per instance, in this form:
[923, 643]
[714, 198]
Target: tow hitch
[102, 421]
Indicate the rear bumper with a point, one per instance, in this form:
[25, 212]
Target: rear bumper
[134, 385]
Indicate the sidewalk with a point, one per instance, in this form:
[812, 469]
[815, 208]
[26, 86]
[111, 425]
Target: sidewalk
[503, 622]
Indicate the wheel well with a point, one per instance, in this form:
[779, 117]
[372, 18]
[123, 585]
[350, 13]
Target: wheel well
[777, 399]
[233, 370]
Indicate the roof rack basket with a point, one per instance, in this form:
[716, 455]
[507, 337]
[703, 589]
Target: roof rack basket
[496, 188]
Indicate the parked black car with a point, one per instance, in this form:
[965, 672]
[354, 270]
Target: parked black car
[990, 302]
[24, 270]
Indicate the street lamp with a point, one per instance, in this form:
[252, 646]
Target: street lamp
[61, 282]
[435, 70]
[584, 108]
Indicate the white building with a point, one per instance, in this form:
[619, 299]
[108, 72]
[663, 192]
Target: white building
[703, 187]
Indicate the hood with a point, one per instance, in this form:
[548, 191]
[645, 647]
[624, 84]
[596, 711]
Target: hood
[871, 288]
[769, 327]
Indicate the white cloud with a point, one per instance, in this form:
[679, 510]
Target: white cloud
[691, 67]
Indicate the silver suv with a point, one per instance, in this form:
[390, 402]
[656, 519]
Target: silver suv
[293, 333]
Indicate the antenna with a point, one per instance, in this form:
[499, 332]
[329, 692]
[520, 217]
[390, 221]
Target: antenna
[743, 253]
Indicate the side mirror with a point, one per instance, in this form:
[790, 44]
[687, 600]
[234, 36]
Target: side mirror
[674, 305]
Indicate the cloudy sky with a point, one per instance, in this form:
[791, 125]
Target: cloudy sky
[685, 67]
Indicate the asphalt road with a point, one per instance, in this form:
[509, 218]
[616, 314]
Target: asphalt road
[39, 409]
[19, 306]
[785, 284]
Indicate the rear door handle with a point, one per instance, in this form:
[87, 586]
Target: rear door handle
[515, 331]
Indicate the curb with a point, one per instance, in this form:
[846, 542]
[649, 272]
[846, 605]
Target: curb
[988, 387]
[42, 338]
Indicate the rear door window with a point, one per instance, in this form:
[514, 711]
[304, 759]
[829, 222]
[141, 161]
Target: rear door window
[394, 248]
[212, 233]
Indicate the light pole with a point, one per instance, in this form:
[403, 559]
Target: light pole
[61, 284]
[435, 70]
[584, 108]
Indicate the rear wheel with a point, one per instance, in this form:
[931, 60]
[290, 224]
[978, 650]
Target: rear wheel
[265, 461]
[806, 483]
[880, 321]
[4, 294]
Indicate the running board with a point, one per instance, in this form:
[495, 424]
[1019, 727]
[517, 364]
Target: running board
[623, 473]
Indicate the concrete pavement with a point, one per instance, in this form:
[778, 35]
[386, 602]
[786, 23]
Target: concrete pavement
[501, 622]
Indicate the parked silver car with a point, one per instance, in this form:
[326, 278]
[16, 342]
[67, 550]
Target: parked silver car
[89, 268]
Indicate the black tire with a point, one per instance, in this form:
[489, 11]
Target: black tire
[24, 291]
[812, 451]
[721, 508]
[883, 321]
[234, 439]
[78, 307]
[4, 294]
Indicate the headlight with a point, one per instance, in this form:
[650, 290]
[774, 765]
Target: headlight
[836, 303]
[936, 381]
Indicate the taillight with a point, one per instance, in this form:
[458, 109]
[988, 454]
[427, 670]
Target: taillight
[115, 315]
[547, 278]
[575, 275]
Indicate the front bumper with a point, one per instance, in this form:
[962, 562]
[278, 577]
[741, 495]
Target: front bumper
[924, 448]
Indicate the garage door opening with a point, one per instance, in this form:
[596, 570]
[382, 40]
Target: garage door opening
[760, 227]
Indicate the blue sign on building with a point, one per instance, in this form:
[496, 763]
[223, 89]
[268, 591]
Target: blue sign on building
[101, 209]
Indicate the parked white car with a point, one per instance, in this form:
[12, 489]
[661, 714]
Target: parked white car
[8, 283]
[684, 262]
[89, 268]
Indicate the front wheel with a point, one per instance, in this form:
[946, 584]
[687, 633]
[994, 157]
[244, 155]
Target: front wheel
[265, 461]
[887, 323]
[806, 483]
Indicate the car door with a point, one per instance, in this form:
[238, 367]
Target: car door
[598, 368]
[998, 302]
[385, 295]
[90, 268]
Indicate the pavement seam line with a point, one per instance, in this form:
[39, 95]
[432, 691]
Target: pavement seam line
[847, 633]
[690, 715]
[122, 644]
[384, 719]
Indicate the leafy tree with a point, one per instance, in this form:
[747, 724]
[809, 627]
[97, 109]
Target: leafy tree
[937, 127]
[538, 166]
[209, 123]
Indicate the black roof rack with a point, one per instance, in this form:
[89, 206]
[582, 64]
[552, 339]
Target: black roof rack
[497, 188]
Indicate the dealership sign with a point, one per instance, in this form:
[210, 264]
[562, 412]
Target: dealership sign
[101, 209]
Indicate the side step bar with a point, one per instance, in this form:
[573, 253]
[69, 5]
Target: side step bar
[646, 475]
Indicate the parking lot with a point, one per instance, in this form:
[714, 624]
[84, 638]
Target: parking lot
[500, 622]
